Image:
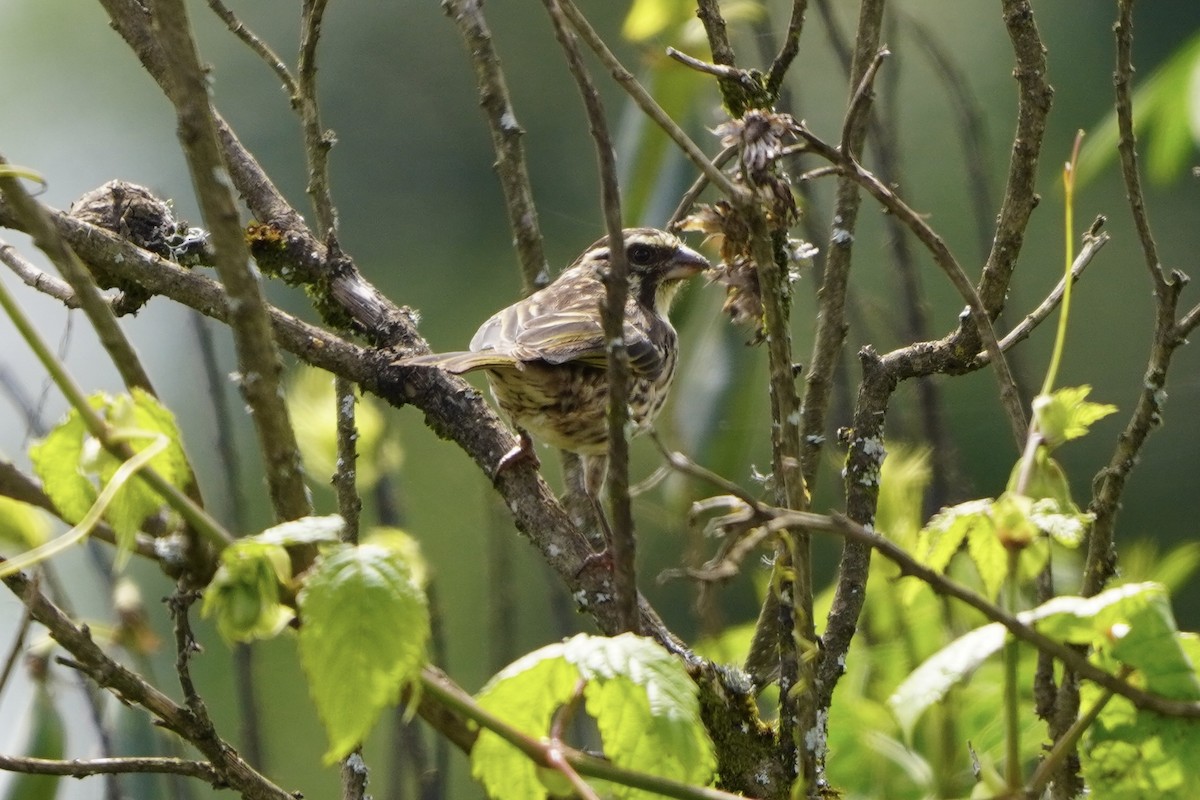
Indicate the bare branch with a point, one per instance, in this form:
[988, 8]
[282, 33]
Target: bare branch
[259, 47]
[83, 768]
[132, 688]
[506, 140]
[612, 312]
[258, 359]
[33, 277]
[647, 103]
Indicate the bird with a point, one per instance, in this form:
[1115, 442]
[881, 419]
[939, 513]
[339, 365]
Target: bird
[545, 356]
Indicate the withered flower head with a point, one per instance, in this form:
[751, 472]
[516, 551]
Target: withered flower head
[759, 136]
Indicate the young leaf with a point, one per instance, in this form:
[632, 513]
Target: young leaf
[74, 468]
[22, 526]
[306, 530]
[244, 593]
[1066, 414]
[362, 641]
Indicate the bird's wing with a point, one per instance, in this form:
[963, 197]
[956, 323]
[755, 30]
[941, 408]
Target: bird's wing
[561, 324]
[459, 362]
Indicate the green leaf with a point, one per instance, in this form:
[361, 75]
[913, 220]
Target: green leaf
[1162, 105]
[305, 531]
[74, 468]
[1130, 753]
[63, 460]
[930, 682]
[1131, 623]
[1066, 414]
[525, 694]
[244, 593]
[22, 526]
[363, 637]
[946, 531]
[644, 704]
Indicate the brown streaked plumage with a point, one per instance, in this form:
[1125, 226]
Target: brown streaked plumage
[545, 356]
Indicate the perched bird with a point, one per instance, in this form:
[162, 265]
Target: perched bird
[545, 356]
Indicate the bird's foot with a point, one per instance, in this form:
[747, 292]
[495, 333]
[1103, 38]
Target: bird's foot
[521, 451]
[602, 560]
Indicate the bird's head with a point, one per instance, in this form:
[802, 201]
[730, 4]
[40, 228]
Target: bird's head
[658, 261]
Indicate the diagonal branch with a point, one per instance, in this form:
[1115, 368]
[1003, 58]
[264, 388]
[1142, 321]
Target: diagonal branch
[258, 359]
[506, 140]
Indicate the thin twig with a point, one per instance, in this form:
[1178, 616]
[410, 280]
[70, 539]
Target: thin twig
[698, 186]
[33, 277]
[944, 258]
[612, 312]
[317, 140]
[647, 103]
[789, 49]
[511, 165]
[99, 311]
[857, 113]
[83, 768]
[1034, 96]
[345, 476]
[1092, 243]
[89, 658]
[259, 47]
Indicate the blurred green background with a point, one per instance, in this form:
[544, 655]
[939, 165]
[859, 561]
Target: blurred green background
[422, 214]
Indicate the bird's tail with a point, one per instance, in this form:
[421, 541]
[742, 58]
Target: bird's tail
[459, 362]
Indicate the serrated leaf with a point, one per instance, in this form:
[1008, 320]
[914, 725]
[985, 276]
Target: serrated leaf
[644, 704]
[646, 708]
[942, 537]
[22, 526]
[363, 637]
[525, 694]
[1066, 414]
[1139, 613]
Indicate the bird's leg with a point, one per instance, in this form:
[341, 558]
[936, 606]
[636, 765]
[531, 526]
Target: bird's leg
[593, 483]
[521, 451]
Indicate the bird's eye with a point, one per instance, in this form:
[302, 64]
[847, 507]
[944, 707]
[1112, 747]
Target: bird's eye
[640, 254]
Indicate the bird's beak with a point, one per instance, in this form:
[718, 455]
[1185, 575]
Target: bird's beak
[686, 263]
